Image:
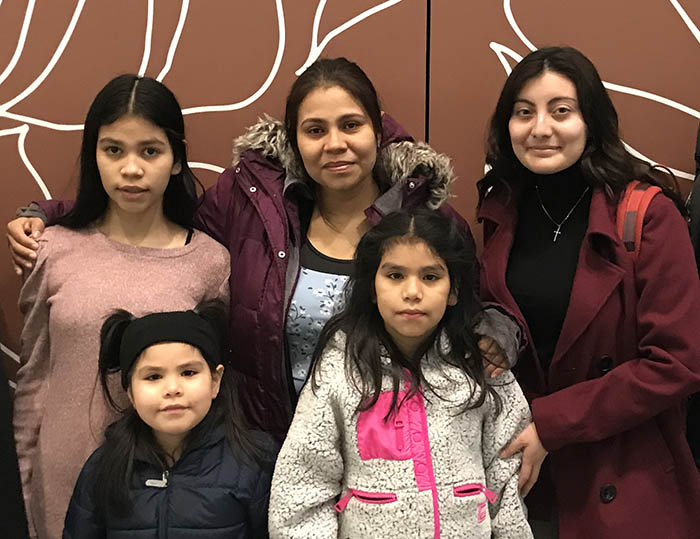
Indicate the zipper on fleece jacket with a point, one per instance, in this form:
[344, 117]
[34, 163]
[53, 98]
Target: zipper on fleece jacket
[474, 489]
[364, 496]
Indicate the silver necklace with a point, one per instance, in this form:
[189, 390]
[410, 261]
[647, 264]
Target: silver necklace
[557, 232]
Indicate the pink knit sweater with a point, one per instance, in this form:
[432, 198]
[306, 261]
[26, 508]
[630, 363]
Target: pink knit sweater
[79, 278]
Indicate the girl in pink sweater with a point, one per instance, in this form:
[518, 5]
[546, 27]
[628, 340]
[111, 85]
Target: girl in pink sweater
[126, 243]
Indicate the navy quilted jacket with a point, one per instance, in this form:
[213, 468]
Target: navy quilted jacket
[207, 494]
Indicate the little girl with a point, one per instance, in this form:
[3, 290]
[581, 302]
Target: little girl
[178, 463]
[398, 432]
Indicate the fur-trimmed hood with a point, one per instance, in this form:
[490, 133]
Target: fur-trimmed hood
[399, 156]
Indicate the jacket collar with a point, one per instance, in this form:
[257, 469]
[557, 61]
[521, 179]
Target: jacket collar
[402, 159]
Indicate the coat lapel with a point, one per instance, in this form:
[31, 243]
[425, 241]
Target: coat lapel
[596, 275]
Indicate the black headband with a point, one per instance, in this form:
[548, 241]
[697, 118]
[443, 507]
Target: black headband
[180, 326]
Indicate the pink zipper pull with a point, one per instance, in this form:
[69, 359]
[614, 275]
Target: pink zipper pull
[398, 426]
[343, 502]
[490, 495]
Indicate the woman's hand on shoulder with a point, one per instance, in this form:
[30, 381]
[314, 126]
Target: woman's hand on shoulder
[534, 453]
[495, 360]
[22, 234]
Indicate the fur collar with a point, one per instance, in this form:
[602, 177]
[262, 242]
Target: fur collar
[400, 160]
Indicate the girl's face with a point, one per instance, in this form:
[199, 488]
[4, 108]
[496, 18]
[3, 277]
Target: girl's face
[546, 128]
[336, 140]
[412, 287]
[171, 389]
[135, 161]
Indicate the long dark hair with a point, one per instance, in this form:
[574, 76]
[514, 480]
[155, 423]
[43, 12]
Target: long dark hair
[605, 162]
[149, 99]
[129, 433]
[366, 337]
[326, 73]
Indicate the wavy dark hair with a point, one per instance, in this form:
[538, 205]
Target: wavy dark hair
[605, 162]
[366, 337]
[129, 433]
[149, 99]
[326, 73]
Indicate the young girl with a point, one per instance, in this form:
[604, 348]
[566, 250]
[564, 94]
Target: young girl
[177, 462]
[398, 432]
[127, 242]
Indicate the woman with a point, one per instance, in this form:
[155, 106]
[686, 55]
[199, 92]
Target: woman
[291, 211]
[128, 243]
[613, 342]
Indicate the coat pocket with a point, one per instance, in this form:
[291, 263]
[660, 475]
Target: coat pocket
[380, 439]
[364, 497]
[469, 490]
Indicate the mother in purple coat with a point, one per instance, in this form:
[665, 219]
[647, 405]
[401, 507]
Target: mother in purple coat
[291, 210]
[614, 343]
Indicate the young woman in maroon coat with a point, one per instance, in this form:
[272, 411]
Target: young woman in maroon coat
[291, 210]
[614, 344]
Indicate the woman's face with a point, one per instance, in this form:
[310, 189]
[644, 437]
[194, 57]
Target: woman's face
[546, 127]
[135, 161]
[336, 140]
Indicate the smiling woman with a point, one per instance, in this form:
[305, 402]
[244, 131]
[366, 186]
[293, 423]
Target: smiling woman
[613, 342]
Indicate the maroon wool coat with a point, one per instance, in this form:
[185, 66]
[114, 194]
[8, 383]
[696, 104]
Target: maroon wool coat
[611, 408]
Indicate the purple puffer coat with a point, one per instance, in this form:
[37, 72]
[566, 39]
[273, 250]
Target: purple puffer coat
[252, 210]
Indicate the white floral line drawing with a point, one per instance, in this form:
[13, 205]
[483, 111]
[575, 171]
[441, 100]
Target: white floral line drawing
[686, 19]
[147, 45]
[20, 41]
[502, 50]
[268, 82]
[317, 48]
[184, 8]
[5, 107]
[22, 131]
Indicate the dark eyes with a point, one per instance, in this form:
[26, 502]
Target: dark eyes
[396, 276]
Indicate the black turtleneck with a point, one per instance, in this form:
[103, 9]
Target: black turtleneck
[540, 271]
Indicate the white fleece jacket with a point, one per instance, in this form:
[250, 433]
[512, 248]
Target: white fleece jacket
[430, 471]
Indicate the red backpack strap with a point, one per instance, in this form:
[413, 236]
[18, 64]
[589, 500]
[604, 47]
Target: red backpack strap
[630, 214]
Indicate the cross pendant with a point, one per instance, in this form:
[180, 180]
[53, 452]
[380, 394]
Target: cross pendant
[556, 234]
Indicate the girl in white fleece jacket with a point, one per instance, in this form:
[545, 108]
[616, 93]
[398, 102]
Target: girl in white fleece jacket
[398, 432]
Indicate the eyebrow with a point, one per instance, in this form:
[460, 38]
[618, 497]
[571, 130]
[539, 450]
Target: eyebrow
[188, 365]
[149, 142]
[349, 116]
[553, 100]
[395, 267]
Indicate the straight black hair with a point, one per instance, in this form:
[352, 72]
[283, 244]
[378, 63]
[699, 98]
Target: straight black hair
[147, 98]
[366, 337]
[124, 436]
[605, 162]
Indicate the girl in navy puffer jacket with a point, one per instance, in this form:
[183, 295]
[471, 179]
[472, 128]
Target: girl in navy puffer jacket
[178, 463]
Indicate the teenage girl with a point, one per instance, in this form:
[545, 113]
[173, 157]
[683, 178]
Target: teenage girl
[399, 431]
[128, 242]
[178, 461]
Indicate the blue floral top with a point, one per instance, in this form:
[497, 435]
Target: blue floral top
[317, 297]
